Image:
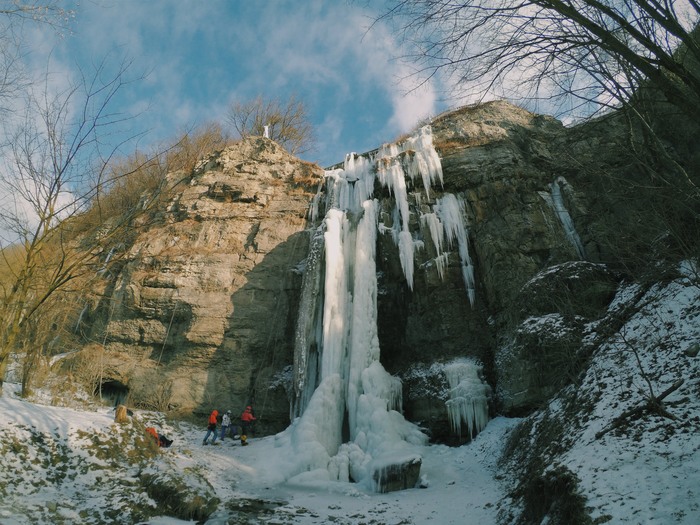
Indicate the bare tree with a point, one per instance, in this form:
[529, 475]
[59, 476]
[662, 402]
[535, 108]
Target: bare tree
[54, 170]
[195, 144]
[640, 58]
[586, 54]
[14, 15]
[287, 122]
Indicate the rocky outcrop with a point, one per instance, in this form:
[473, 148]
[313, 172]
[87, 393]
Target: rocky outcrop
[504, 162]
[541, 346]
[400, 475]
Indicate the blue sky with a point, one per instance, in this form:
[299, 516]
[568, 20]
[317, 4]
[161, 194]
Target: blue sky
[199, 56]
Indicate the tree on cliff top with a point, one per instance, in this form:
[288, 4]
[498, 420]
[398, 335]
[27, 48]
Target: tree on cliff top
[287, 122]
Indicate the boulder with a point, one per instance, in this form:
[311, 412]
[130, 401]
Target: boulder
[397, 475]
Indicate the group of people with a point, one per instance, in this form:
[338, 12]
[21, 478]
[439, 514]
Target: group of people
[246, 421]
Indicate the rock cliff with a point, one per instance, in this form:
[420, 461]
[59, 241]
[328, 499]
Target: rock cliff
[204, 305]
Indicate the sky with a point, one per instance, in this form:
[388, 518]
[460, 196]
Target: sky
[196, 58]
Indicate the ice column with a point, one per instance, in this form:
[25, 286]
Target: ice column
[564, 216]
[364, 340]
[80, 317]
[103, 269]
[335, 293]
[468, 403]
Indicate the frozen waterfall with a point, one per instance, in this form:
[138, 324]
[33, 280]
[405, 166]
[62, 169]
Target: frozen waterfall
[347, 422]
[468, 403]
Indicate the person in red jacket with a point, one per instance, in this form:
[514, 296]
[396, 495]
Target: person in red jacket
[211, 427]
[247, 419]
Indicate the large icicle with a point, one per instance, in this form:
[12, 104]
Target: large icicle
[336, 295]
[364, 340]
[424, 160]
[468, 403]
[421, 161]
[450, 210]
[564, 216]
[308, 337]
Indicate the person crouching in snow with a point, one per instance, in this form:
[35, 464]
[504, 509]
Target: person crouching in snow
[225, 425]
[247, 419]
[162, 441]
[211, 427]
[152, 431]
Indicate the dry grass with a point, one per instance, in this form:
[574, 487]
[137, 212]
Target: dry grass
[457, 144]
[10, 261]
[308, 176]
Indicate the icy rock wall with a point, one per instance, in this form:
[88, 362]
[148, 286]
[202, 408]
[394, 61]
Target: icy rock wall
[338, 376]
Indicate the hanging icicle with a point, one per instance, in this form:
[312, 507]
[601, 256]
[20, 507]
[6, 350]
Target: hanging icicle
[450, 210]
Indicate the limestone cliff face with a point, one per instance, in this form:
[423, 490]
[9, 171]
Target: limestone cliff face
[202, 314]
[203, 308]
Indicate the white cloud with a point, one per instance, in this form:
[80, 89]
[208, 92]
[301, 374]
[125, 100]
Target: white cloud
[412, 107]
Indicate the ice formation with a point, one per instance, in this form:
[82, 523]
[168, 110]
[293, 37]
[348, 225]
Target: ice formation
[347, 422]
[567, 223]
[468, 403]
[80, 317]
[450, 211]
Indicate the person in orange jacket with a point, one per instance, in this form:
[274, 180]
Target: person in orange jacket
[247, 419]
[211, 427]
[160, 438]
[153, 432]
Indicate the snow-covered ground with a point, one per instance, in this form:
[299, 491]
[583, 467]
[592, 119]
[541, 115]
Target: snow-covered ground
[58, 479]
[647, 469]
[633, 463]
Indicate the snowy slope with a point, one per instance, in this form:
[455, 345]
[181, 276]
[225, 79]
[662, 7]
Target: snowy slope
[640, 469]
